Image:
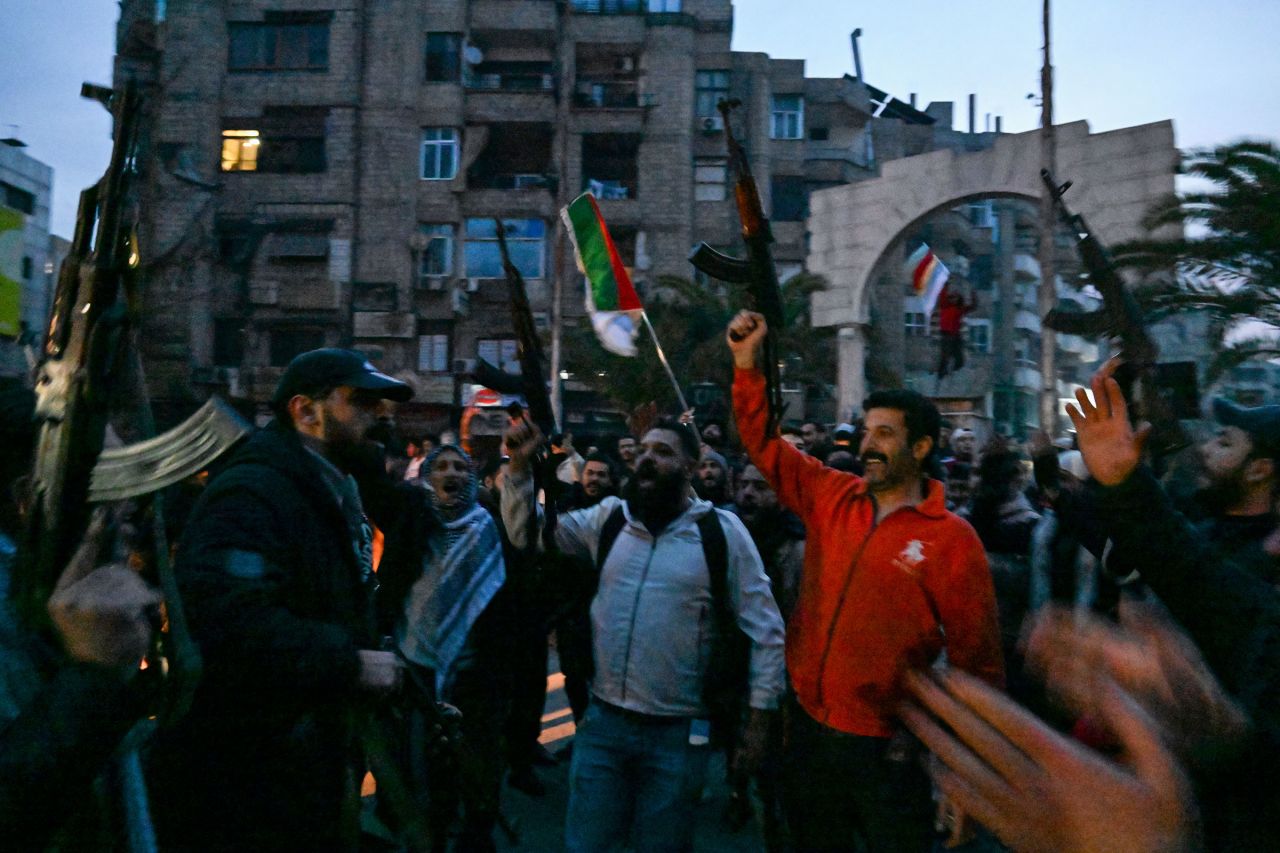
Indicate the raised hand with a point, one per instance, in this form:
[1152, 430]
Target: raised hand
[1041, 791]
[522, 440]
[745, 336]
[1111, 447]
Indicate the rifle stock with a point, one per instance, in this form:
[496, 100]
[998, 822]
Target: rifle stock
[756, 271]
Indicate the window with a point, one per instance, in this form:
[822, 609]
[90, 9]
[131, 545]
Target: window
[787, 117]
[819, 134]
[979, 334]
[439, 153]
[500, 352]
[289, 342]
[283, 140]
[790, 199]
[18, 199]
[240, 150]
[28, 268]
[659, 6]
[301, 45]
[228, 342]
[710, 87]
[444, 57]
[436, 257]
[434, 345]
[524, 243]
[709, 176]
[609, 164]
[915, 325]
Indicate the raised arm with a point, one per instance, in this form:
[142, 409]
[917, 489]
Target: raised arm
[797, 477]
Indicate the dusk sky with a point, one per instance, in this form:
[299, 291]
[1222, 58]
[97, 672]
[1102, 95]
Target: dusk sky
[1212, 67]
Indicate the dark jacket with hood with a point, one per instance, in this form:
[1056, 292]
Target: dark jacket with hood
[278, 593]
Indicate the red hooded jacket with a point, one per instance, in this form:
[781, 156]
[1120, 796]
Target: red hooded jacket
[874, 599]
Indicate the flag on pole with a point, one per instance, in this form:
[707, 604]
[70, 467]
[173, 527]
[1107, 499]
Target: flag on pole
[928, 277]
[612, 302]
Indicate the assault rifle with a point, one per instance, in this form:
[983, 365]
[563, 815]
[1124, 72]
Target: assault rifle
[528, 345]
[1119, 318]
[757, 272]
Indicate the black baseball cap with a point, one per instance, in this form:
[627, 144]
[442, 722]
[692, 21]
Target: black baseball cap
[1261, 422]
[331, 367]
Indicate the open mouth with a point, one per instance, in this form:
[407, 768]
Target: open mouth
[451, 488]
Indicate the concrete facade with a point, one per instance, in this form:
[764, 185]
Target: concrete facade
[26, 185]
[544, 99]
[1116, 178]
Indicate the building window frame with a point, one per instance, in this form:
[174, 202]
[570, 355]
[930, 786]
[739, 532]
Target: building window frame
[257, 46]
[501, 352]
[709, 88]
[441, 148]
[435, 347]
[977, 332]
[435, 258]
[443, 57]
[786, 116]
[710, 178]
[526, 243]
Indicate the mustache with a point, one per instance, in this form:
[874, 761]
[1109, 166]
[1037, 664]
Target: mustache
[647, 468]
[874, 456]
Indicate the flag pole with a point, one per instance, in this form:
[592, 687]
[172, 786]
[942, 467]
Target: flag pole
[662, 357]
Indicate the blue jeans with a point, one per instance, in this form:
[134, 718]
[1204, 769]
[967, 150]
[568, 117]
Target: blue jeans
[634, 777]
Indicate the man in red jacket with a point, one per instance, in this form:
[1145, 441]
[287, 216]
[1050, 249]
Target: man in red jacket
[951, 326]
[891, 580]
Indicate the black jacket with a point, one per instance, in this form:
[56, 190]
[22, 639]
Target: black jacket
[1233, 615]
[279, 601]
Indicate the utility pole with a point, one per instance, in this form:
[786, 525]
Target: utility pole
[565, 93]
[1048, 296]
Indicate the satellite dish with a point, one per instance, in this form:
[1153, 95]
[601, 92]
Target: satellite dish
[472, 55]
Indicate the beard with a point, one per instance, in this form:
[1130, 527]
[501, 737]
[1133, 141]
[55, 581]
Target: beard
[893, 471]
[1219, 494]
[661, 496]
[710, 490]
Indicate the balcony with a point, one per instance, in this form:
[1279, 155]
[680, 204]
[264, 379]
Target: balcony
[496, 91]
[510, 77]
[610, 7]
[512, 16]
[1026, 266]
[609, 95]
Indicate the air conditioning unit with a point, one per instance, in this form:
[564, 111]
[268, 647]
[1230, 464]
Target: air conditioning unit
[473, 285]
[432, 282]
[419, 241]
[524, 182]
[625, 64]
[713, 124]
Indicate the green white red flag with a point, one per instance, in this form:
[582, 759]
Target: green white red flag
[612, 303]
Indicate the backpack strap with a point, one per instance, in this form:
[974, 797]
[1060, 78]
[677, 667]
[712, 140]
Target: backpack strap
[715, 550]
[608, 535]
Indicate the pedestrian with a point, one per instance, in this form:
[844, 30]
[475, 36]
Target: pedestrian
[951, 316]
[711, 479]
[679, 584]
[891, 581]
[276, 575]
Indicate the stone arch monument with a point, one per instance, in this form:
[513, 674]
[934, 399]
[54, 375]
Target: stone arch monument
[1116, 177]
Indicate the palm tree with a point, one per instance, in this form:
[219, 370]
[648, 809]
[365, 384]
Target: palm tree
[1226, 263]
[690, 320]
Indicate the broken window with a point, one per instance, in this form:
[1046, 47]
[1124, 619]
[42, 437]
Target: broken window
[444, 57]
[439, 153]
[610, 164]
[298, 43]
[787, 117]
[790, 198]
[283, 140]
[517, 155]
[524, 243]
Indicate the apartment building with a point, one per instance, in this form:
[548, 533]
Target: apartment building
[27, 253]
[330, 172]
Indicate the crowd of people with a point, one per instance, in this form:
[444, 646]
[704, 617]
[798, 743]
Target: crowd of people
[899, 634]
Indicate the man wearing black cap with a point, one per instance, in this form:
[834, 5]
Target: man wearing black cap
[1237, 484]
[276, 574]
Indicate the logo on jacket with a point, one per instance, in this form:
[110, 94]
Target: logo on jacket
[910, 557]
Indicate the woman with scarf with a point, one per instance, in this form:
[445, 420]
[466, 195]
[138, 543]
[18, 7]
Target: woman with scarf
[444, 578]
